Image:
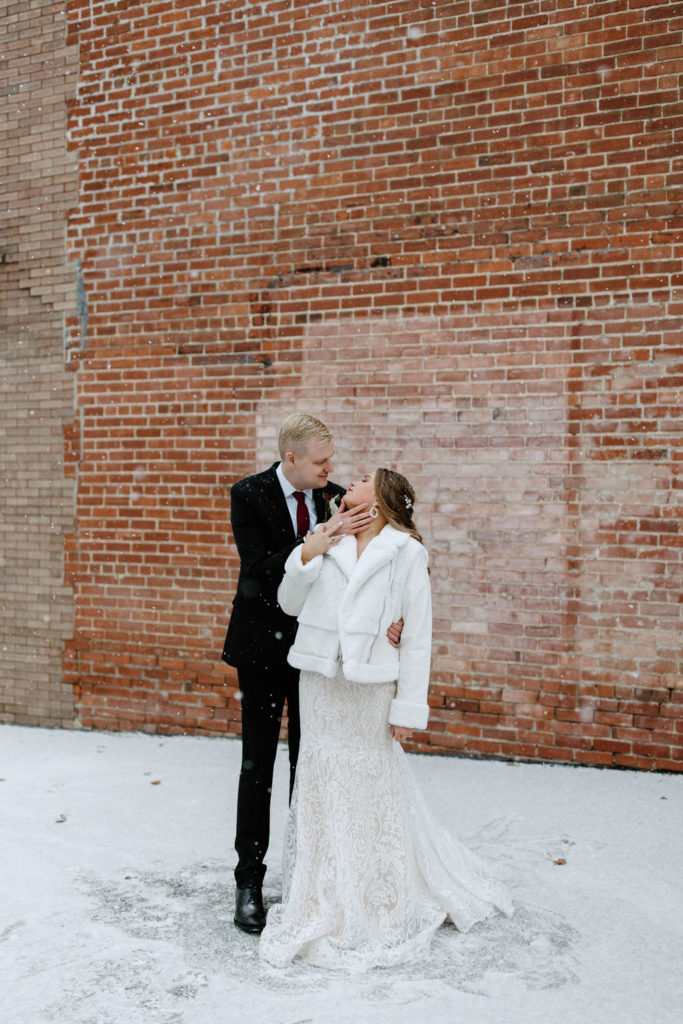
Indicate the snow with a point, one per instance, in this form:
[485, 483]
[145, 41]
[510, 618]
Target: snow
[116, 894]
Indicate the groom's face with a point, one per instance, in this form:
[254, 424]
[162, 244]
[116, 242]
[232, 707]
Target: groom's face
[311, 466]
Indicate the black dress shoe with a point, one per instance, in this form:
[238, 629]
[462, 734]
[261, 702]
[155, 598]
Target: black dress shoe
[250, 915]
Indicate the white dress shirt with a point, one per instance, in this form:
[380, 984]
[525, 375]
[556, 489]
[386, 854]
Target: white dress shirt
[288, 491]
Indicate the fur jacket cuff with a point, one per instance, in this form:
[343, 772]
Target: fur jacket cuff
[409, 716]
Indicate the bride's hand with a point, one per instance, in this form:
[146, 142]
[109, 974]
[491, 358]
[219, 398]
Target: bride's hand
[317, 543]
[400, 733]
[347, 522]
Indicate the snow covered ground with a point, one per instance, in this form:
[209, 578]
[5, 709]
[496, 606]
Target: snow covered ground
[116, 894]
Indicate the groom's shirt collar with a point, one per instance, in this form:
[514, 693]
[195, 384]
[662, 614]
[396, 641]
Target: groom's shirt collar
[288, 491]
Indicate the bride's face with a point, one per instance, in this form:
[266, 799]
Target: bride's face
[361, 491]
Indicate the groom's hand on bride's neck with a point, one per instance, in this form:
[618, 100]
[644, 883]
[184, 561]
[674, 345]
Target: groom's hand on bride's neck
[348, 522]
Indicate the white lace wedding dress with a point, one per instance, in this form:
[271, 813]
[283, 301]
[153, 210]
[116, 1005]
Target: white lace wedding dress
[367, 876]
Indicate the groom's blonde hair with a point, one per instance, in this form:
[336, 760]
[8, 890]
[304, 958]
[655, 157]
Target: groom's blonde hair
[297, 430]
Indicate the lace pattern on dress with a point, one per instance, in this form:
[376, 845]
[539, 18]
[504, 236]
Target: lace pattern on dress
[367, 876]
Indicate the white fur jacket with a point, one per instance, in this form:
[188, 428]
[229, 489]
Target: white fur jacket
[344, 606]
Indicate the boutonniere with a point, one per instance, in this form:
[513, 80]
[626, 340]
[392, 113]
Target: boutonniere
[332, 503]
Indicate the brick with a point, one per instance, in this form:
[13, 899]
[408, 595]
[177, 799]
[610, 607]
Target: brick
[472, 274]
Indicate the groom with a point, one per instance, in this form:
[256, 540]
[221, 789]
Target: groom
[271, 513]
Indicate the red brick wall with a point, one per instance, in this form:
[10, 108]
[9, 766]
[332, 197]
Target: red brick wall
[453, 231]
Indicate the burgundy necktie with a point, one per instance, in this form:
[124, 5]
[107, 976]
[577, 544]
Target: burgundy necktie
[303, 520]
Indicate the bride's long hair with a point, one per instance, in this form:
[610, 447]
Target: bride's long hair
[396, 501]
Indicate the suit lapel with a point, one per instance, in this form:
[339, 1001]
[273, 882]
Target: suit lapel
[274, 500]
[320, 505]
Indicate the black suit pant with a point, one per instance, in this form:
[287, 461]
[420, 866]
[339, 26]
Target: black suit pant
[263, 698]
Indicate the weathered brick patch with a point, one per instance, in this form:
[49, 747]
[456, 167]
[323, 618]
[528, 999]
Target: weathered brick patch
[37, 288]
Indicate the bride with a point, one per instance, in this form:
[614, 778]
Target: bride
[367, 876]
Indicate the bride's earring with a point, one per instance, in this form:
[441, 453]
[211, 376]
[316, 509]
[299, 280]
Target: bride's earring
[374, 512]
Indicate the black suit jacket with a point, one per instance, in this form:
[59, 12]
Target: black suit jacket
[260, 634]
